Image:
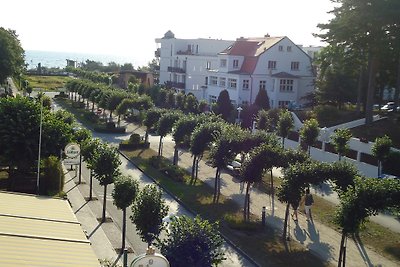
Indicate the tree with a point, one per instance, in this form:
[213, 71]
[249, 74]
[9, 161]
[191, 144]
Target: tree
[148, 212]
[224, 106]
[348, 29]
[89, 150]
[165, 124]
[381, 150]
[284, 125]
[262, 100]
[124, 194]
[192, 242]
[80, 136]
[183, 129]
[191, 104]
[151, 119]
[11, 54]
[340, 140]
[368, 197]
[29, 90]
[19, 135]
[105, 168]
[263, 122]
[309, 133]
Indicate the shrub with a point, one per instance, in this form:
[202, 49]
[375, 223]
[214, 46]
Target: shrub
[235, 221]
[52, 179]
[91, 117]
[391, 165]
[134, 138]
[157, 162]
[110, 125]
[174, 172]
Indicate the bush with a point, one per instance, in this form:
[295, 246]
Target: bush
[91, 117]
[110, 125]
[52, 179]
[174, 172]
[157, 162]
[235, 221]
[391, 165]
[134, 138]
[78, 104]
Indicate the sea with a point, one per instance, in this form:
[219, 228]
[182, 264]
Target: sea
[51, 59]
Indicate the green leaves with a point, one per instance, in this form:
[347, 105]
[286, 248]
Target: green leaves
[148, 211]
[192, 242]
[125, 191]
[105, 164]
[340, 139]
[381, 147]
[11, 54]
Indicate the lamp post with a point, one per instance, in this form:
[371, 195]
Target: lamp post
[239, 109]
[40, 146]
[109, 81]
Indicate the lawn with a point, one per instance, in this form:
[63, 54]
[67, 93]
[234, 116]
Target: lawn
[47, 83]
[265, 245]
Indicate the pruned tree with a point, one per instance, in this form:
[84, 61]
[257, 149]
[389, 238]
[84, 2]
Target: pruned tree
[148, 212]
[340, 139]
[262, 99]
[309, 133]
[89, 153]
[124, 194]
[192, 242]
[224, 106]
[182, 131]
[152, 117]
[165, 125]
[284, 125]
[106, 169]
[381, 150]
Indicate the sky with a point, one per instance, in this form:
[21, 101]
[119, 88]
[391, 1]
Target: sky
[128, 28]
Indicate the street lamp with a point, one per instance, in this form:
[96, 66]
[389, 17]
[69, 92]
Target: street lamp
[109, 81]
[40, 146]
[239, 109]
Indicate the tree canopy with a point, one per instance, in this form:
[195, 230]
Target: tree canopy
[11, 54]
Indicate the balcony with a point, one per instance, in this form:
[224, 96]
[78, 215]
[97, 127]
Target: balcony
[175, 84]
[176, 69]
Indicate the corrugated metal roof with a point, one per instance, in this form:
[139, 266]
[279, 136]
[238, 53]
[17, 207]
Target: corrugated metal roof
[40, 231]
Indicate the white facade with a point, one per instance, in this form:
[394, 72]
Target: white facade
[205, 67]
[184, 63]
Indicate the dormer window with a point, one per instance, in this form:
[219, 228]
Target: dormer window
[280, 48]
[235, 63]
[271, 65]
[289, 49]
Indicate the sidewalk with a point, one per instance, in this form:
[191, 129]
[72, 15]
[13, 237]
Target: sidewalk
[101, 245]
[320, 239]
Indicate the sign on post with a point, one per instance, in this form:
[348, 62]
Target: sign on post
[72, 150]
[150, 258]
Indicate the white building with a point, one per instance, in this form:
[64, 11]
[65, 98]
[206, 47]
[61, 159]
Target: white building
[205, 67]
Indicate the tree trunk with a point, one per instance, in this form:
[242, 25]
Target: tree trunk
[80, 169]
[216, 185]
[397, 91]
[160, 146]
[123, 229]
[193, 168]
[342, 251]
[91, 185]
[283, 142]
[93, 106]
[119, 120]
[285, 223]
[373, 69]
[146, 136]
[246, 209]
[103, 218]
[175, 161]
[359, 89]
[272, 183]
[197, 169]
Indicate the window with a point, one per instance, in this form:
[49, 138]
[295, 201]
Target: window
[235, 63]
[273, 85]
[283, 104]
[245, 85]
[197, 49]
[212, 98]
[213, 80]
[295, 65]
[245, 103]
[222, 63]
[232, 83]
[208, 65]
[286, 85]
[262, 84]
[206, 81]
[222, 82]
[289, 49]
[280, 48]
[271, 65]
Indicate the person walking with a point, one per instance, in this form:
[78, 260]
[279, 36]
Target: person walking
[308, 201]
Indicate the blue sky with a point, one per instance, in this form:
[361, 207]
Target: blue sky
[128, 27]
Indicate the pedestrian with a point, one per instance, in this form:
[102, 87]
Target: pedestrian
[294, 214]
[308, 201]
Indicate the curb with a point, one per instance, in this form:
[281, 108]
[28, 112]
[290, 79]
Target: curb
[240, 251]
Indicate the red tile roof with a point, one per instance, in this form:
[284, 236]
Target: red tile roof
[250, 49]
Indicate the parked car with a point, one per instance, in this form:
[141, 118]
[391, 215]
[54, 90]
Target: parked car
[389, 107]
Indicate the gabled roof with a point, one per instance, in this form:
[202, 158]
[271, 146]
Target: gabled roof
[283, 74]
[250, 49]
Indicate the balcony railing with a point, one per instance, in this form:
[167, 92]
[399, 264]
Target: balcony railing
[175, 84]
[176, 69]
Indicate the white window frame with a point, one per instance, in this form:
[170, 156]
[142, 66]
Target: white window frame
[263, 84]
[222, 63]
[286, 85]
[213, 80]
[222, 81]
[236, 63]
[232, 83]
[271, 64]
[289, 48]
[295, 65]
[280, 48]
[246, 84]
